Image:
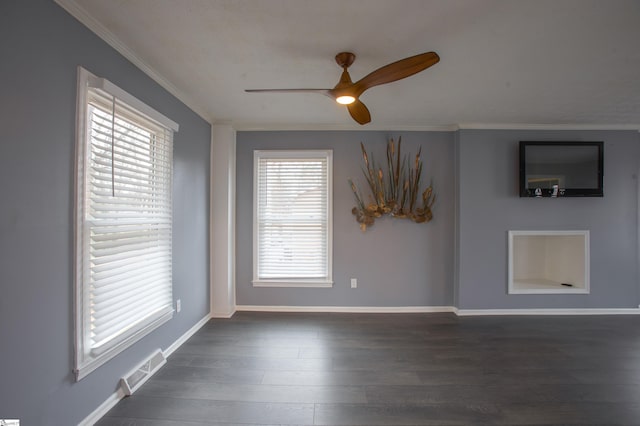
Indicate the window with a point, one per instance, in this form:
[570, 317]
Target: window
[123, 221]
[292, 219]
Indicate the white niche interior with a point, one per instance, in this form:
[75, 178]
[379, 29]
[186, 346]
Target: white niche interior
[548, 262]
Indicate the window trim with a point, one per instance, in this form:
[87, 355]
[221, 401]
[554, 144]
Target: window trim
[294, 154]
[84, 361]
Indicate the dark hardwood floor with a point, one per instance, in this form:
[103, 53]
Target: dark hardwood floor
[396, 369]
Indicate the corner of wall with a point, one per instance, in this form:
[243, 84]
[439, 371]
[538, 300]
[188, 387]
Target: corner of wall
[456, 222]
[223, 220]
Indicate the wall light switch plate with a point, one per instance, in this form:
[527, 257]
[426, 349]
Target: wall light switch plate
[354, 283]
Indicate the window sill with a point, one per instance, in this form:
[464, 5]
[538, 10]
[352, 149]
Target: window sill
[300, 284]
[92, 363]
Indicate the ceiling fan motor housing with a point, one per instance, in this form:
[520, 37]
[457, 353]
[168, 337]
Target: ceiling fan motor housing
[347, 92]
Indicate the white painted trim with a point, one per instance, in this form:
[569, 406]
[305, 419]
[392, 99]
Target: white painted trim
[193, 330]
[222, 222]
[347, 309]
[435, 309]
[84, 369]
[581, 311]
[120, 94]
[224, 314]
[78, 214]
[288, 154]
[78, 12]
[88, 359]
[115, 397]
[103, 409]
[530, 126]
[296, 284]
[511, 287]
[258, 127]
[274, 127]
[637, 231]
[550, 232]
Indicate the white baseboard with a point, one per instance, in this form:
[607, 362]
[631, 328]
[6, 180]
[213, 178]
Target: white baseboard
[99, 412]
[347, 309]
[434, 309]
[225, 314]
[114, 398]
[175, 345]
[581, 311]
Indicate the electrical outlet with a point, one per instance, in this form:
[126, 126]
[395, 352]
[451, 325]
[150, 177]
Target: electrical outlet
[178, 305]
[354, 283]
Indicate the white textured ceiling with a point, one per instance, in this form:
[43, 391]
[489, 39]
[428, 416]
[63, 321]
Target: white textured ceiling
[503, 62]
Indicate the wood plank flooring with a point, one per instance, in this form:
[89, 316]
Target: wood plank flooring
[396, 369]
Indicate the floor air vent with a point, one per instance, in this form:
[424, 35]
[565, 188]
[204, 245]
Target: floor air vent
[135, 378]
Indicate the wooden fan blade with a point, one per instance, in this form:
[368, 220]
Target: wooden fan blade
[396, 71]
[359, 112]
[325, 92]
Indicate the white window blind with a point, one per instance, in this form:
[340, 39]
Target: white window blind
[123, 222]
[292, 208]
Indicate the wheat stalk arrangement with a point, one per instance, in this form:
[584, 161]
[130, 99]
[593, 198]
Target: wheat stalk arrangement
[393, 191]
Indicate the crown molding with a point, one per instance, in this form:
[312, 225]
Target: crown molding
[529, 126]
[78, 12]
[262, 127]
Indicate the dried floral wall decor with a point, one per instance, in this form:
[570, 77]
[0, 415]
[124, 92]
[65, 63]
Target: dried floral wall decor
[393, 191]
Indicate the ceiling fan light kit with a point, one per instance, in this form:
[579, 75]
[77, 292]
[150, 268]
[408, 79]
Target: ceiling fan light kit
[345, 99]
[346, 92]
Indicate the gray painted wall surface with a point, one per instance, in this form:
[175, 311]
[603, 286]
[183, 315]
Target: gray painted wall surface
[489, 206]
[396, 262]
[41, 46]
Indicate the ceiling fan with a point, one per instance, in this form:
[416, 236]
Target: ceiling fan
[347, 92]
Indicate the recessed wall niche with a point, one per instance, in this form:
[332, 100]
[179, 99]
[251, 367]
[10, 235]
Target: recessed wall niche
[548, 262]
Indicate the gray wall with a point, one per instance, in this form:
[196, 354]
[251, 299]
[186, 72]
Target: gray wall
[489, 206]
[396, 262]
[41, 46]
